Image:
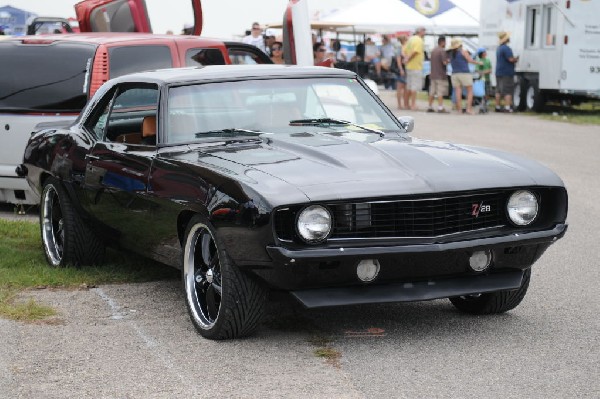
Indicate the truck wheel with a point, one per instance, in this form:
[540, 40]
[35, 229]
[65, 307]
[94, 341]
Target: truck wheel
[519, 95]
[222, 301]
[534, 99]
[65, 237]
[494, 302]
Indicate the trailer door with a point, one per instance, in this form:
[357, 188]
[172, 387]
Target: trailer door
[581, 51]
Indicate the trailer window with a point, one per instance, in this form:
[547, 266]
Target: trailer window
[533, 27]
[549, 26]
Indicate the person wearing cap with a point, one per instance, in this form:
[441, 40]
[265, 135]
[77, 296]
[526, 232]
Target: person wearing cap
[255, 37]
[484, 70]
[415, 55]
[438, 80]
[461, 75]
[505, 73]
[188, 29]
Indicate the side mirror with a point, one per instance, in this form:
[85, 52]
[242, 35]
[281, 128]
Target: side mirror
[407, 122]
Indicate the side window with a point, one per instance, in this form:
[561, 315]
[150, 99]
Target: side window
[533, 27]
[129, 59]
[204, 56]
[129, 117]
[549, 38]
[242, 56]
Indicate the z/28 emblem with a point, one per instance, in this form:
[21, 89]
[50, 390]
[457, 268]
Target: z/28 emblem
[476, 209]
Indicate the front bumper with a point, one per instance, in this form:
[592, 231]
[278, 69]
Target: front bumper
[328, 276]
[284, 255]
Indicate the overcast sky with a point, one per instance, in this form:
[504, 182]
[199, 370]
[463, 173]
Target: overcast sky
[222, 18]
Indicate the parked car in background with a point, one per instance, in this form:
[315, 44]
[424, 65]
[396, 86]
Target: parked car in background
[49, 78]
[299, 179]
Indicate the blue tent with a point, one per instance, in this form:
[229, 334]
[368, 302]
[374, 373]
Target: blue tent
[13, 21]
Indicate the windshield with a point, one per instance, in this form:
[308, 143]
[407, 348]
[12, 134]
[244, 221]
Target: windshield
[44, 77]
[268, 106]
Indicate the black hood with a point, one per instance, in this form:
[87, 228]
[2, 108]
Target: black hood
[363, 165]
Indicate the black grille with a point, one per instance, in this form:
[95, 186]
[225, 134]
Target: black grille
[415, 217]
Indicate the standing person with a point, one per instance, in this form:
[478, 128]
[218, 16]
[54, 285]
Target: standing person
[505, 73]
[320, 54]
[277, 53]
[485, 70]
[255, 37]
[401, 83]
[415, 55]
[438, 80]
[388, 52]
[461, 76]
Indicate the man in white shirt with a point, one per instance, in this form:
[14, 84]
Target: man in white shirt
[255, 37]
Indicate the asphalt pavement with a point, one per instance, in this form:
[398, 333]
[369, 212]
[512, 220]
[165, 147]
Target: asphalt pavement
[136, 341]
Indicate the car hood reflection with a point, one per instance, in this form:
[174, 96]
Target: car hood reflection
[325, 165]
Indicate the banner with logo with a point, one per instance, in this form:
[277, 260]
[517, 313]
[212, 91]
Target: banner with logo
[430, 8]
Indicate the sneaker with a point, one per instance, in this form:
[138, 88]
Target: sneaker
[508, 110]
[443, 111]
[430, 109]
[498, 109]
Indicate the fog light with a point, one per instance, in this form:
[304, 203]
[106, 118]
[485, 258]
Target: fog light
[367, 270]
[480, 260]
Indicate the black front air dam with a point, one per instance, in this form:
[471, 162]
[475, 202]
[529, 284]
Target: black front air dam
[409, 292]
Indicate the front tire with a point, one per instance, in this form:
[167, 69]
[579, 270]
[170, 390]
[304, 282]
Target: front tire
[65, 237]
[222, 301]
[493, 302]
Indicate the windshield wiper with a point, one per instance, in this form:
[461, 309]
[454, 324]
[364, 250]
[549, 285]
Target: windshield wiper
[332, 121]
[227, 132]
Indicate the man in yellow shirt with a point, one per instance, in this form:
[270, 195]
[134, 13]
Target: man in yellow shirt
[415, 55]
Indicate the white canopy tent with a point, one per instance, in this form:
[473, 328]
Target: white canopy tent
[386, 16]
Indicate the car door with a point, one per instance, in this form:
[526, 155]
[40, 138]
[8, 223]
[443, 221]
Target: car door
[118, 165]
[124, 16]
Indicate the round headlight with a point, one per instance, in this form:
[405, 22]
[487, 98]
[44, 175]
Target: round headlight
[522, 207]
[314, 223]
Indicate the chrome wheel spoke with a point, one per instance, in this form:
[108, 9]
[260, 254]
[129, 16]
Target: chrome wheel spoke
[206, 240]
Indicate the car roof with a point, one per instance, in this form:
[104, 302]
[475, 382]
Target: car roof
[225, 72]
[113, 37]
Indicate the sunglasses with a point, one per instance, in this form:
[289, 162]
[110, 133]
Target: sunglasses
[256, 28]
[322, 50]
[276, 49]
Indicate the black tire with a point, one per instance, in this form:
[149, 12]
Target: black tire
[533, 97]
[494, 302]
[519, 94]
[222, 301]
[65, 237]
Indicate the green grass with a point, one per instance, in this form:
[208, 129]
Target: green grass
[584, 114]
[23, 266]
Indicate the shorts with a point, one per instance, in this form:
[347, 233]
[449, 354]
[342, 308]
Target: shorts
[438, 87]
[414, 80]
[462, 80]
[505, 85]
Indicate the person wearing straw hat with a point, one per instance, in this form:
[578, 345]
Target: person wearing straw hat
[505, 73]
[461, 75]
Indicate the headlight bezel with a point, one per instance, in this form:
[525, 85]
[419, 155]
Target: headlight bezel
[513, 215]
[309, 208]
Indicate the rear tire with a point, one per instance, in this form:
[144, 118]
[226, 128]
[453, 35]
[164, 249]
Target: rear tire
[65, 237]
[534, 98]
[222, 301]
[519, 95]
[494, 302]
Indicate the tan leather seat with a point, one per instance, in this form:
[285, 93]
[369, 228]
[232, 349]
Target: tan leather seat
[149, 130]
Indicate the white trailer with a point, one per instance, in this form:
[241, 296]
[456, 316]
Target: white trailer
[558, 44]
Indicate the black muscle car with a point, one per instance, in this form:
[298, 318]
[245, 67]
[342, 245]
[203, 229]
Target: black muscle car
[263, 178]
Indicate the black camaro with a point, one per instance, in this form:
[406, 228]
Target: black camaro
[288, 178]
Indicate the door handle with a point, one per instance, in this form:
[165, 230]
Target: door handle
[91, 157]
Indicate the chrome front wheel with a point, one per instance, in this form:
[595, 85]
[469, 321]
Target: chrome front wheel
[223, 301]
